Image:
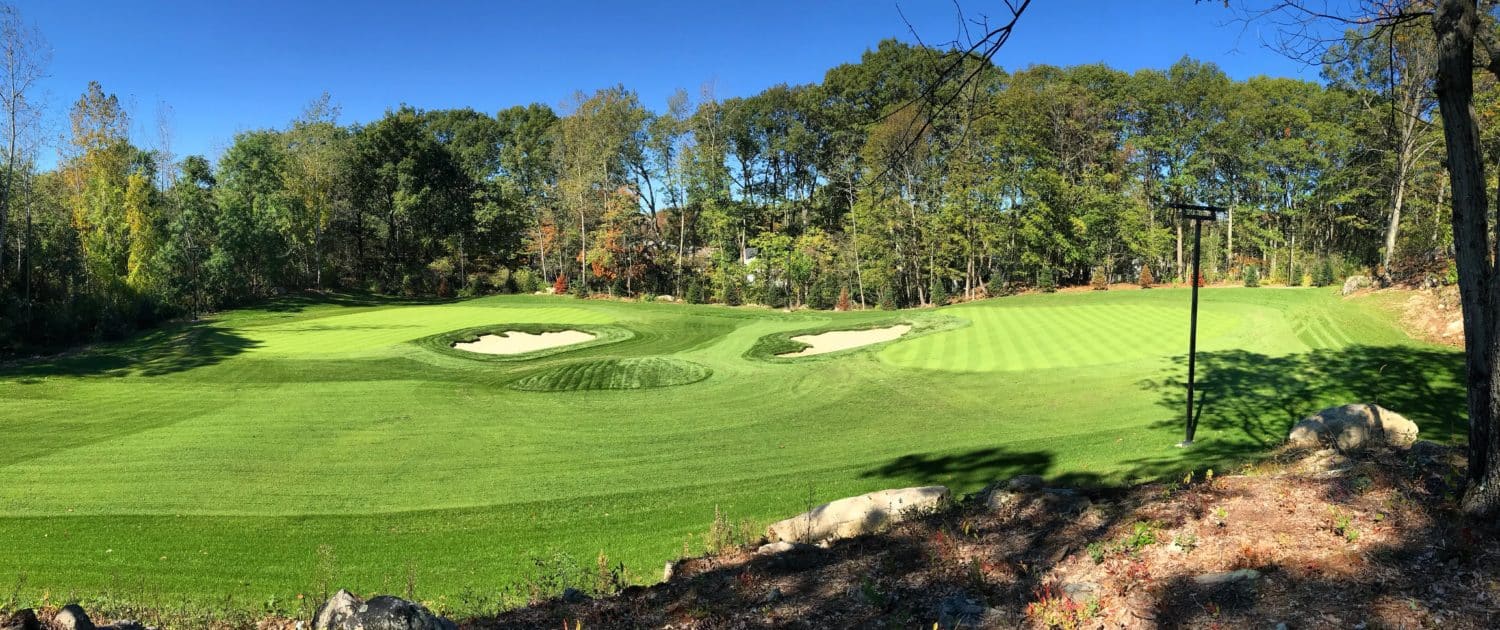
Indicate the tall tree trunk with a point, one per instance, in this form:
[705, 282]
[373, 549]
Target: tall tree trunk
[1398, 197]
[1455, 24]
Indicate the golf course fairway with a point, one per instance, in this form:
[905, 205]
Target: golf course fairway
[240, 461]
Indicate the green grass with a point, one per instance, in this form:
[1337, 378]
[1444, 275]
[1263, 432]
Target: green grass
[235, 463]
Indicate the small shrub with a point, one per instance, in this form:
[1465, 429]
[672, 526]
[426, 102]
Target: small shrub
[1054, 609]
[1100, 279]
[526, 281]
[1146, 279]
[510, 286]
[617, 287]
[581, 289]
[1324, 276]
[843, 303]
[560, 286]
[694, 292]
[443, 290]
[1144, 534]
[1045, 281]
[1252, 276]
[937, 292]
[1201, 281]
[888, 298]
[1097, 552]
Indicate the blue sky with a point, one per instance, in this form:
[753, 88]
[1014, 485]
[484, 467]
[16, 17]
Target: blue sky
[225, 67]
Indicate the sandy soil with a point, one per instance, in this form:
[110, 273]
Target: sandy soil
[845, 339]
[516, 342]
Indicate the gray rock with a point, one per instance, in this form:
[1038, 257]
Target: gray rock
[1079, 591]
[1024, 483]
[775, 548]
[344, 611]
[1354, 427]
[1355, 283]
[958, 611]
[72, 617]
[1225, 578]
[574, 596]
[773, 596]
[856, 516]
[24, 619]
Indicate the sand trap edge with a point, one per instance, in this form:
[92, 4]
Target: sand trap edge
[442, 343]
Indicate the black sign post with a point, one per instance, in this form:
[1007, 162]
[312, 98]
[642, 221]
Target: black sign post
[1197, 214]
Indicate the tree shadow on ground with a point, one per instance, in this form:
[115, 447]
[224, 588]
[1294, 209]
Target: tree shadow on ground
[1256, 398]
[173, 349]
[969, 469]
[297, 302]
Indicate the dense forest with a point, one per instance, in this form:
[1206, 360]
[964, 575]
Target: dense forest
[887, 185]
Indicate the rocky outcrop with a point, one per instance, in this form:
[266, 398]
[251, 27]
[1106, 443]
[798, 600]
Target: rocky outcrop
[1354, 427]
[855, 516]
[1355, 283]
[344, 611]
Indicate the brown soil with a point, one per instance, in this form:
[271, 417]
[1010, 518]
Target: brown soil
[1434, 315]
[1374, 543]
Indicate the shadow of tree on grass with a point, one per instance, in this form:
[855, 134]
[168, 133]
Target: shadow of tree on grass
[165, 351]
[1259, 397]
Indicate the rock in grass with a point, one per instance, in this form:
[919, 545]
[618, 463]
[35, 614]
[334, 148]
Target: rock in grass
[23, 619]
[1226, 578]
[344, 611]
[856, 516]
[1354, 427]
[72, 617]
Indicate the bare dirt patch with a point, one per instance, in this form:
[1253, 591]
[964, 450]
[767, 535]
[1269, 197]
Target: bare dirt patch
[837, 340]
[1435, 315]
[517, 342]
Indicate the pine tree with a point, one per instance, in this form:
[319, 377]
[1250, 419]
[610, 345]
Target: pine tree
[1146, 280]
[1045, 282]
[1100, 279]
[1252, 276]
[843, 303]
[560, 287]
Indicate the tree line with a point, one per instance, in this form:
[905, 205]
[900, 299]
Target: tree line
[883, 185]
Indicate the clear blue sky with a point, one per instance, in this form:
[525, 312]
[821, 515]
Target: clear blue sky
[225, 67]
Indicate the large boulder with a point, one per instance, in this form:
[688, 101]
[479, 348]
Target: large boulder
[1355, 283]
[72, 617]
[344, 611]
[855, 516]
[1354, 427]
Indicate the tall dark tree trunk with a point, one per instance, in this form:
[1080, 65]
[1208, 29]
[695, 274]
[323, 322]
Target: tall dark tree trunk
[1455, 24]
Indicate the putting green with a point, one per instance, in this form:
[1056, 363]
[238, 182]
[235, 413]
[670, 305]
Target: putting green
[237, 462]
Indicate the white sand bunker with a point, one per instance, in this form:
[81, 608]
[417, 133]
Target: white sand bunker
[517, 342]
[837, 340]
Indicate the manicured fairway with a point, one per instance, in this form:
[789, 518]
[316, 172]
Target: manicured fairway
[270, 452]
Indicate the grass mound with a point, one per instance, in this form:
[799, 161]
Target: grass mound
[632, 373]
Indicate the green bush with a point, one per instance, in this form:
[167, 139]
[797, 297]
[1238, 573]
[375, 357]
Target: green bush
[1325, 275]
[937, 292]
[1252, 276]
[888, 298]
[527, 281]
[1045, 281]
[580, 288]
[693, 293]
[617, 287]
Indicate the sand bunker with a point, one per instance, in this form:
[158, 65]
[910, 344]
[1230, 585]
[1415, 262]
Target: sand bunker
[517, 342]
[837, 340]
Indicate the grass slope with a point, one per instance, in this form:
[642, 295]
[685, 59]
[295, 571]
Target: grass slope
[238, 462]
